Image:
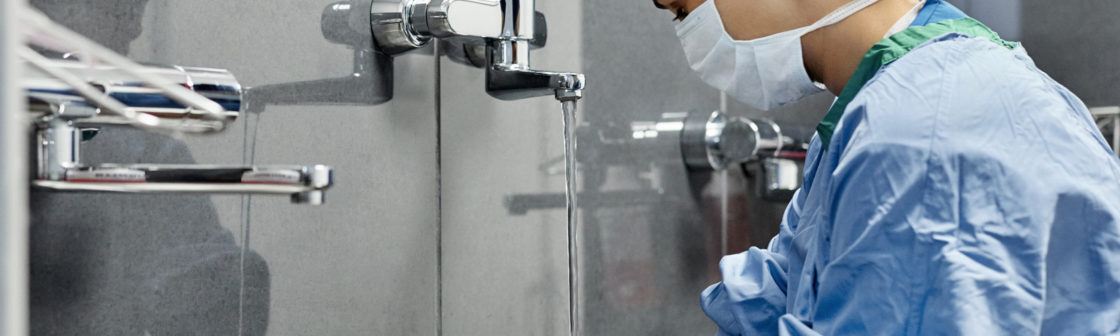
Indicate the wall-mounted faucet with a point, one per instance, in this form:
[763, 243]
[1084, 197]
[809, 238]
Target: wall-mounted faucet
[506, 28]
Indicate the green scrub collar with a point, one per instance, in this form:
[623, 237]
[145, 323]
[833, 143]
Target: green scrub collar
[893, 48]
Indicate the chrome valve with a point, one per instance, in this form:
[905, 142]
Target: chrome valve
[505, 27]
[717, 141]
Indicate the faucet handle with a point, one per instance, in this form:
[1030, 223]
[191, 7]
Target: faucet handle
[475, 54]
[461, 19]
[403, 25]
[392, 23]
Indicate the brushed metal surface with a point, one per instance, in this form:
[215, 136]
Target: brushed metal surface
[646, 263]
[504, 274]
[364, 264]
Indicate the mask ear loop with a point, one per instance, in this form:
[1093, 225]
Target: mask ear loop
[839, 14]
[907, 19]
[835, 17]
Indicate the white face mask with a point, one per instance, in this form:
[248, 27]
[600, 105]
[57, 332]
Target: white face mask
[764, 73]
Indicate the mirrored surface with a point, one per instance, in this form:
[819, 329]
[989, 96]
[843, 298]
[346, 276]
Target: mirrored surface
[447, 216]
[362, 264]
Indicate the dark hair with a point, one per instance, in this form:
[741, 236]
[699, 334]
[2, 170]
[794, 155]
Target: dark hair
[658, 4]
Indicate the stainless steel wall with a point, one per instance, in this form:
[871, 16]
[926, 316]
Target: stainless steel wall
[652, 231]
[504, 273]
[364, 264]
[646, 264]
[448, 215]
[427, 229]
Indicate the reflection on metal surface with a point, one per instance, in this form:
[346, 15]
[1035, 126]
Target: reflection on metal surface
[653, 227]
[506, 29]
[699, 141]
[125, 264]
[780, 179]
[475, 55]
[102, 66]
[717, 141]
[391, 23]
[49, 95]
[369, 83]
[524, 203]
[305, 185]
[1108, 120]
[61, 100]
[60, 169]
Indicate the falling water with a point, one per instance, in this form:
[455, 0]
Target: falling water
[570, 189]
[248, 157]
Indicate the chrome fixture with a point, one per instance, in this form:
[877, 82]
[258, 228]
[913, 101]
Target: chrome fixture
[718, 141]
[97, 87]
[63, 120]
[475, 54]
[781, 177]
[305, 184]
[49, 95]
[505, 27]
[699, 141]
[42, 32]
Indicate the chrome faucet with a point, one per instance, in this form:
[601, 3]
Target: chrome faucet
[506, 28]
[64, 119]
[82, 85]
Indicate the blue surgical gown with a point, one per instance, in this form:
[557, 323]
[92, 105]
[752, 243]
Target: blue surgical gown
[963, 192]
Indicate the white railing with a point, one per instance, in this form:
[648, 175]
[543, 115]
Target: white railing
[39, 30]
[14, 235]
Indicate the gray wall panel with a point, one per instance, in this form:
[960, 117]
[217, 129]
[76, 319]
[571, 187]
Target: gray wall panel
[644, 264]
[401, 231]
[1077, 43]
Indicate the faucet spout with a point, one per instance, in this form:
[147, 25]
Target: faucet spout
[507, 82]
[571, 87]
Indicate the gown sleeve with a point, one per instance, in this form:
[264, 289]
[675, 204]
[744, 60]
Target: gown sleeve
[942, 201]
[752, 296]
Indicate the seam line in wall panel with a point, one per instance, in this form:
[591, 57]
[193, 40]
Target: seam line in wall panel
[439, 190]
[725, 202]
[248, 157]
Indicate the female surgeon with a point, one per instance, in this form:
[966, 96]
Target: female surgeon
[953, 187]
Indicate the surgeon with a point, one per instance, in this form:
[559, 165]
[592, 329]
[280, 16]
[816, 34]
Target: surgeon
[953, 188]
